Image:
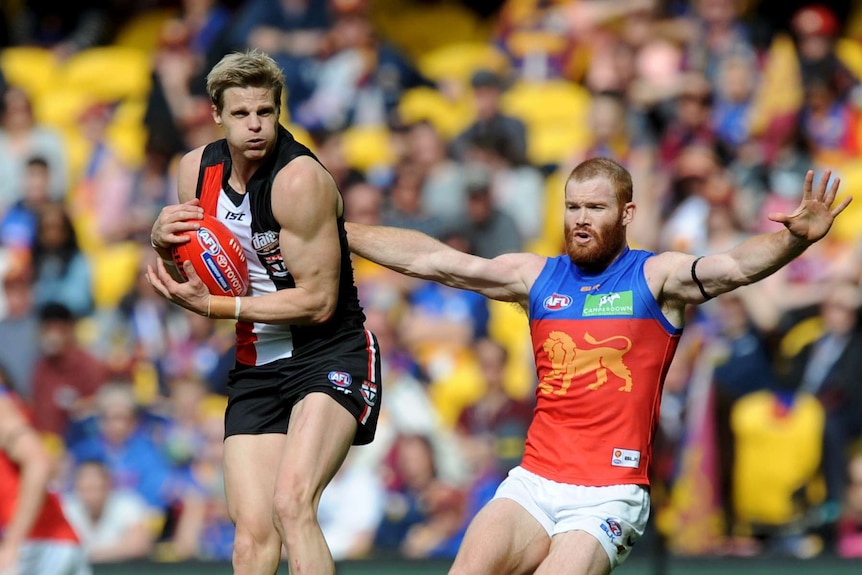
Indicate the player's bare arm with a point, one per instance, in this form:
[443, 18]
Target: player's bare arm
[173, 220]
[22, 444]
[305, 203]
[508, 277]
[679, 279]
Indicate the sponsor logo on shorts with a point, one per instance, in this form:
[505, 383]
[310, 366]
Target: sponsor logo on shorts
[614, 531]
[557, 302]
[369, 392]
[626, 458]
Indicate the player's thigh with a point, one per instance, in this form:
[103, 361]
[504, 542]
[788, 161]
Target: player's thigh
[250, 468]
[503, 539]
[319, 436]
[575, 553]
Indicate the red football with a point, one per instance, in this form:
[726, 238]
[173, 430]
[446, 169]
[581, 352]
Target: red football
[217, 256]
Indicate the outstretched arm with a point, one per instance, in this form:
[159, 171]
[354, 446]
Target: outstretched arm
[508, 277]
[755, 258]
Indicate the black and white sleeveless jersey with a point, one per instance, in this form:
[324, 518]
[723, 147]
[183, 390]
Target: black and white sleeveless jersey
[249, 216]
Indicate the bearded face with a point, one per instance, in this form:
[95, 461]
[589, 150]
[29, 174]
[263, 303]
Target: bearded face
[604, 244]
[595, 224]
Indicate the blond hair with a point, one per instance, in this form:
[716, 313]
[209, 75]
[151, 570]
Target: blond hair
[250, 69]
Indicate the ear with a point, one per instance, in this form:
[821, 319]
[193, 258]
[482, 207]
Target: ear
[628, 213]
[216, 114]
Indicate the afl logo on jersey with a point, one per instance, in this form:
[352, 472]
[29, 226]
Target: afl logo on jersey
[556, 302]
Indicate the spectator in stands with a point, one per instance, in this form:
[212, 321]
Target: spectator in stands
[488, 230]
[21, 138]
[351, 509]
[491, 124]
[829, 369]
[517, 189]
[19, 327]
[293, 33]
[422, 512]
[204, 529]
[62, 271]
[360, 77]
[404, 208]
[497, 420]
[114, 524]
[443, 192]
[18, 225]
[204, 350]
[850, 524]
[66, 376]
[115, 435]
[816, 29]
[690, 123]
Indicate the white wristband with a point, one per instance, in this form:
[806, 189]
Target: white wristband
[237, 307]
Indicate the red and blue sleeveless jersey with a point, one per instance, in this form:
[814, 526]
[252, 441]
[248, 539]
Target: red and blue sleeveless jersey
[602, 349]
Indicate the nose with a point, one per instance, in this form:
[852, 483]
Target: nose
[581, 216]
[254, 123]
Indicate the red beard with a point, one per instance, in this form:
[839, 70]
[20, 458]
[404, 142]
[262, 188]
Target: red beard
[598, 254]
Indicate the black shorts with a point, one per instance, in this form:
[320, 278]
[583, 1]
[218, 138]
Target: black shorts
[261, 397]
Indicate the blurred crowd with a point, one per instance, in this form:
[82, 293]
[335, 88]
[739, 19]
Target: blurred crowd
[460, 119]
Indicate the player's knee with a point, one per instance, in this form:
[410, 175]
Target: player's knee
[293, 506]
[251, 546]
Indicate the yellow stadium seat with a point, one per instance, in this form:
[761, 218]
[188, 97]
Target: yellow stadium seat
[458, 61]
[456, 386]
[552, 143]
[144, 29]
[848, 227]
[367, 147]
[549, 102]
[34, 70]
[850, 53]
[419, 29]
[777, 454]
[61, 109]
[108, 73]
[427, 104]
[115, 268]
[508, 325]
[127, 133]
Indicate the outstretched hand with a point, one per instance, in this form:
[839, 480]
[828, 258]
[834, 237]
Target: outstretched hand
[815, 214]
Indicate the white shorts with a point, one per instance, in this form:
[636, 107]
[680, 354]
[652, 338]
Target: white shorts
[615, 515]
[53, 558]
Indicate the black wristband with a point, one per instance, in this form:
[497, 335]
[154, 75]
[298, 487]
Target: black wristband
[706, 296]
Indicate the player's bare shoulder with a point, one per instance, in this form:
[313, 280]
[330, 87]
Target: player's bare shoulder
[304, 175]
[187, 174]
[660, 267]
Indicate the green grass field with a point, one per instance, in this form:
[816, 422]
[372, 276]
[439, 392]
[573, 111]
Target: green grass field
[635, 566]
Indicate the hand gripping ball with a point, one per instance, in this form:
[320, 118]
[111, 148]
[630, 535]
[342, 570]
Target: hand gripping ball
[217, 256]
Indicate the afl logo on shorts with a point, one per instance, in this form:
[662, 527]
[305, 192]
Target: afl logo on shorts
[556, 302]
[340, 378]
[369, 392]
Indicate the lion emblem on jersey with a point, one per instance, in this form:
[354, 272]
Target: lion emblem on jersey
[568, 360]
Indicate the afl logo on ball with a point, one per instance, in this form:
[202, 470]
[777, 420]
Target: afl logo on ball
[208, 241]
